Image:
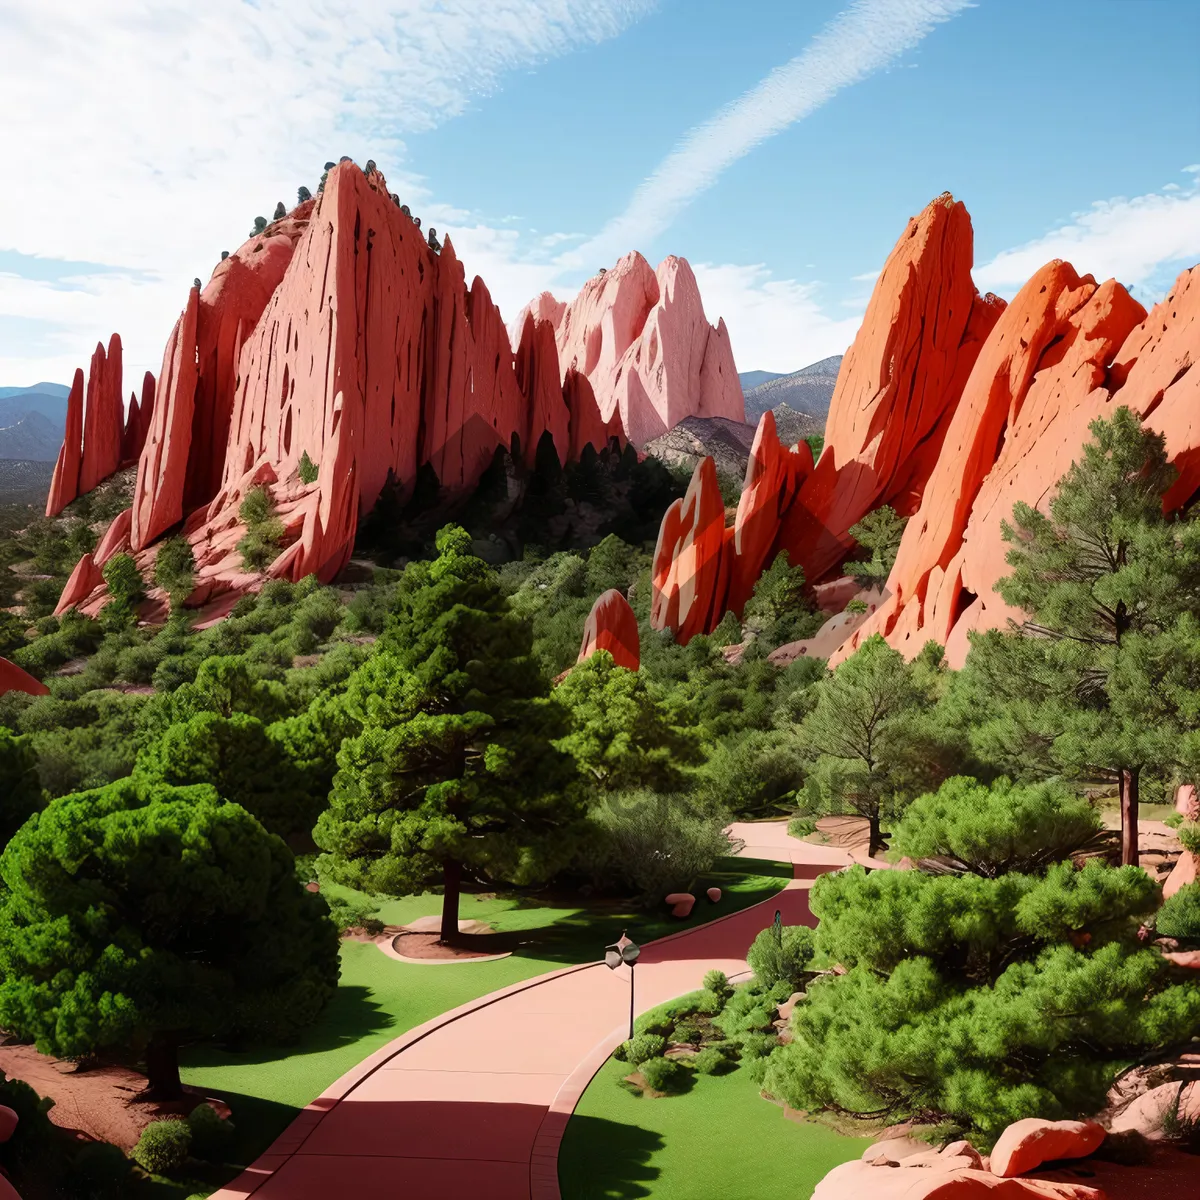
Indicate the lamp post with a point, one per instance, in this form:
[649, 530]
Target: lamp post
[624, 950]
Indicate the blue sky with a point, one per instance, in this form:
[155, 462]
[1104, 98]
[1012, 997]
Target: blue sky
[779, 146]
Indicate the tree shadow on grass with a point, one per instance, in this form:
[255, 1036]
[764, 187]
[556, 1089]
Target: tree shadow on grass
[607, 1160]
[351, 1016]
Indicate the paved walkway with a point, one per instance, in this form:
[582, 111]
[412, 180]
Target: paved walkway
[472, 1104]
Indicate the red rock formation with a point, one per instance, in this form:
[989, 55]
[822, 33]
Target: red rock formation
[13, 679]
[84, 579]
[537, 377]
[587, 426]
[162, 468]
[103, 417]
[773, 478]
[1073, 351]
[897, 390]
[137, 422]
[646, 347]
[692, 560]
[64, 483]
[612, 626]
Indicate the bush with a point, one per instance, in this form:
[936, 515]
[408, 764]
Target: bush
[1179, 916]
[996, 829]
[308, 469]
[664, 1074]
[712, 1060]
[126, 588]
[782, 958]
[640, 1048]
[212, 1137]
[717, 982]
[264, 530]
[758, 1045]
[711, 1002]
[175, 569]
[688, 1032]
[100, 1172]
[802, 827]
[649, 845]
[1189, 835]
[163, 1147]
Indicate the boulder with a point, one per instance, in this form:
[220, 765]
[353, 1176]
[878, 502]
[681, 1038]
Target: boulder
[1187, 805]
[935, 1178]
[612, 626]
[681, 903]
[714, 894]
[13, 679]
[1148, 1113]
[8, 1123]
[1026, 1144]
[1185, 871]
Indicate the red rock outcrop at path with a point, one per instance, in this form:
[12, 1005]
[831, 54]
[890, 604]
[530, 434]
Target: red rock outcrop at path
[13, 679]
[338, 333]
[1067, 351]
[612, 626]
[642, 340]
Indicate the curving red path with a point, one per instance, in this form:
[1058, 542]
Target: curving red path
[473, 1103]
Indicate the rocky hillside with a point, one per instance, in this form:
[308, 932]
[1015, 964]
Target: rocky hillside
[808, 391]
[267, 385]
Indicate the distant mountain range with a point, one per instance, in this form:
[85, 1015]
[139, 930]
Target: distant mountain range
[806, 391]
[32, 421]
[752, 379]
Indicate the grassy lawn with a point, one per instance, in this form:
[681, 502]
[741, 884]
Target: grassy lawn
[720, 1138]
[378, 998]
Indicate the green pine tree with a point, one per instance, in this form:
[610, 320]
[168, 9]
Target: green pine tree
[141, 917]
[1103, 576]
[455, 765]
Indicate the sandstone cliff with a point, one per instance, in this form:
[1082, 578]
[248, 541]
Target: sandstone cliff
[338, 337]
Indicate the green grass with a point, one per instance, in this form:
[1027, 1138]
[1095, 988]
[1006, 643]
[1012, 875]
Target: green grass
[378, 998]
[720, 1138]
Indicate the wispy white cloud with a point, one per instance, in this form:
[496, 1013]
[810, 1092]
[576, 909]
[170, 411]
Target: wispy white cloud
[774, 324]
[151, 133]
[1132, 240]
[867, 36]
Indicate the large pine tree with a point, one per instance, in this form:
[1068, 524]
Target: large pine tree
[454, 766]
[1104, 577]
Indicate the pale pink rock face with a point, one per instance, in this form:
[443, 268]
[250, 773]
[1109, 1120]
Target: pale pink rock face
[643, 341]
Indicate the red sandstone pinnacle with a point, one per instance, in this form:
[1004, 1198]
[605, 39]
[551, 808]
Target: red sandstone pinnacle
[103, 417]
[587, 426]
[690, 574]
[537, 377]
[897, 390]
[612, 626]
[64, 484]
[13, 679]
[162, 468]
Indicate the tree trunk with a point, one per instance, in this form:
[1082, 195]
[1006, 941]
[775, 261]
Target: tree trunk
[877, 842]
[1129, 817]
[451, 880]
[162, 1067]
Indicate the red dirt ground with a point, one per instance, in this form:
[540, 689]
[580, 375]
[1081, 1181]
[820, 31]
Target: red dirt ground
[98, 1102]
